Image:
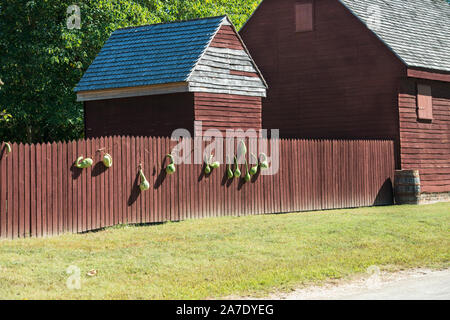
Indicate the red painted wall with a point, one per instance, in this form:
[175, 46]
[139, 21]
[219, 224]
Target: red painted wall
[425, 145]
[338, 81]
[226, 38]
[222, 111]
[156, 115]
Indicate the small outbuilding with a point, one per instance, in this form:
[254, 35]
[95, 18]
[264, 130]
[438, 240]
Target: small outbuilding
[153, 79]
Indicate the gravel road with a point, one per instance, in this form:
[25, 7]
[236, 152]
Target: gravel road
[419, 284]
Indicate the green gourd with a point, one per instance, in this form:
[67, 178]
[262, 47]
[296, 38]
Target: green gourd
[207, 166]
[242, 149]
[211, 165]
[230, 174]
[8, 147]
[171, 167]
[107, 160]
[144, 185]
[84, 163]
[247, 176]
[254, 169]
[215, 165]
[237, 172]
[263, 163]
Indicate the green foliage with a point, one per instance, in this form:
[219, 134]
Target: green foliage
[171, 10]
[41, 60]
[4, 115]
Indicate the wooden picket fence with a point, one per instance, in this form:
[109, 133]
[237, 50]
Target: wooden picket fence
[43, 194]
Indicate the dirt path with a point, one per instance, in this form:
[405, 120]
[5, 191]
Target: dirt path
[421, 284]
[416, 284]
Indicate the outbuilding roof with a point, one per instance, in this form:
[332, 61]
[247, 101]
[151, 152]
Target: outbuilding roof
[150, 55]
[417, 31]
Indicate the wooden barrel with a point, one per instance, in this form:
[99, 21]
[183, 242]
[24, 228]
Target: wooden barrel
[407, 186]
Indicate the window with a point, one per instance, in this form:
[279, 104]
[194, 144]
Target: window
[304, 17]
[424, 102]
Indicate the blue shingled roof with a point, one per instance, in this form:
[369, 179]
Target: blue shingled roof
[149, 55]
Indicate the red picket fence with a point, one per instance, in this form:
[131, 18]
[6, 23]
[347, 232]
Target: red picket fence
[43, 194]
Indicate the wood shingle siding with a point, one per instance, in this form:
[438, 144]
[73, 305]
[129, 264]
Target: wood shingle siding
[227, 70]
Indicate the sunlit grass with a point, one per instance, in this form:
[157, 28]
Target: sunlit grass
[218, 257]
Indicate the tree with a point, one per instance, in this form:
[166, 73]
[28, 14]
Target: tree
[4, 115]
[41, 60]
[238, 10]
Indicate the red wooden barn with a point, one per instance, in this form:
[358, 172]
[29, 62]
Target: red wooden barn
[360, 69]
[151, 80]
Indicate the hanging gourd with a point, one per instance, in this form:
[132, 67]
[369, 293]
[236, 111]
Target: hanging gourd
[207, 166]
[215, 165]
[237, 172]
[107, 160]
[83, 163]
[144, 185]
[230, 174]
[242, 150]
[247, 176]
[254, 169]
[8, 147]
[263, 163]
[171, 167]
[211, 165]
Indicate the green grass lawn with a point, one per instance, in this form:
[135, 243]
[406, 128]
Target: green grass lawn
[219, 257]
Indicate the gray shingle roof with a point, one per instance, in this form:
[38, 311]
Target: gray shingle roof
[417, 31]
[149, 55]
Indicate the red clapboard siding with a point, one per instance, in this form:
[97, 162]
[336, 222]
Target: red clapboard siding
[227, 38]
[43, 194]
[425, 145]
[222, 112]
[156, 115]
[244, 73]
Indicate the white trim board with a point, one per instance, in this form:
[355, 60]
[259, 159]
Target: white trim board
[132, 91]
